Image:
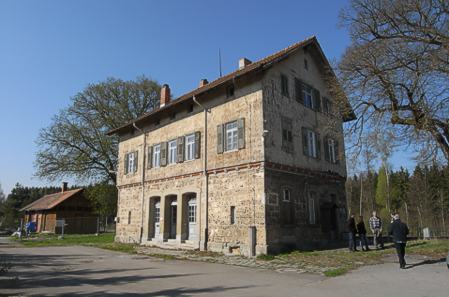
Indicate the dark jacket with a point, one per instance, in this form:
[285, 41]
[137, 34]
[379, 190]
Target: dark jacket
[361, 228]
[351, 226]
[399, 231]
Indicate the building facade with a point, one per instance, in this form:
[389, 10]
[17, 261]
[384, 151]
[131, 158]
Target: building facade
[251, 163]
[68, 205]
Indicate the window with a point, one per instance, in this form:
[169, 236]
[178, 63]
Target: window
[331, 150]
[190, 147]
[192, 213]
[284, 85]
[230, 91]
[232, 215]
[306, 64]
[173, 116]
[157, 214]
[190, 108]
[312, 218]
[287, 135]
[172, 150]
[307, 94]
[231, 136]
[286, 195]
[129, 217]
[311, 143]
[156, 156]
[130, 162]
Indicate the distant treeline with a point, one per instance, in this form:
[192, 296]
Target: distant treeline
[421, 198]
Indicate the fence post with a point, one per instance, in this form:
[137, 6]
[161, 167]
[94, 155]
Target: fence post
[98, 225]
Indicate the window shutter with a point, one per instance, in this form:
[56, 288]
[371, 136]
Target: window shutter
[318, 145]
[326, 149]
[150, 157]
[241, 132]
[220, 138]
[298, 91]
[180, 151]
[136, 161]
[317, 100]
[126, 163]
[163, 153]
[337, 154]
[197, 144]
[305, 143]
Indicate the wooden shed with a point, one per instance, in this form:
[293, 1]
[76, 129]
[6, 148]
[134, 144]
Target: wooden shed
[70, 205]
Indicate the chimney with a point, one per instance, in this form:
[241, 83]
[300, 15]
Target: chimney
[165, 95]
[64, 187]
[203, 82]
[243, 62]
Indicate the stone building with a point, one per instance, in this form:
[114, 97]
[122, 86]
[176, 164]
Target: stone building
[250, 163]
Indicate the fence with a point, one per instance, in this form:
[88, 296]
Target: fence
[85, 225]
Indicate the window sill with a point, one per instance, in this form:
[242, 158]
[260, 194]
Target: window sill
[231, 151]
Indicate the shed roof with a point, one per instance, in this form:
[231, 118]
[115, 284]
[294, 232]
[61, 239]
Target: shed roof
[51, 200]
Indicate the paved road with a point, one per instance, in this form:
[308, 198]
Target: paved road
[84, 271]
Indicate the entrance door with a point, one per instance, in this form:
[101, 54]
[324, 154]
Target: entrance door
[173, 216]
[192, 233]
[157, 216]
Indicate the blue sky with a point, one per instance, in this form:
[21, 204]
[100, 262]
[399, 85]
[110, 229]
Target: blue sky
[50, 50]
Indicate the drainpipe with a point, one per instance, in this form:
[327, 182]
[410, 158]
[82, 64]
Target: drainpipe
[143, 177]
[206, 176]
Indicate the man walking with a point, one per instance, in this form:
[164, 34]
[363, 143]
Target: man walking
[352, 230]
[375, 224]
[399, 231]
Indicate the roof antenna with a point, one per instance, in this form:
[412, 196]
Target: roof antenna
[219, 61]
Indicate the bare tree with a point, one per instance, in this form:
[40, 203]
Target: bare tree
[396, 71]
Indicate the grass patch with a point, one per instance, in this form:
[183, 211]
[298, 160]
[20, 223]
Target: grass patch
[162, 256]
[336, 272]
[104, 241]
[264, 257]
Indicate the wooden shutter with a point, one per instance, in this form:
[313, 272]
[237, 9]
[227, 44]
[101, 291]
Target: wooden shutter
[241, 132]
[136, 161]
[163, 153]
[150, 157]
[299, 96]
[337, 154]
[126, 163]
[326, 149]
[317, 100]
[180, 151]
[197, 144]
[318, 145]
[305, 143]
[220, 138]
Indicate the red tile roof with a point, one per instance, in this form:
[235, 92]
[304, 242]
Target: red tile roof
[51, 200]
[274, 58]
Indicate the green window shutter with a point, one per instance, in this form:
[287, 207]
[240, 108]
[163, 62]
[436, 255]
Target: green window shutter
[136, 161]
[299, 96]
[220, 138]
[126, 163]
[326, 149]
[337, 154]
[180, 151]
[317, 100]
[197, 144]
[318, 145]
[241, 132]
[305, 143]
[150, 157]
[164, 154]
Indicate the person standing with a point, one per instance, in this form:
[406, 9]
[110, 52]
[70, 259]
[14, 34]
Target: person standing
[399, 231]
[352, 232]
[361, 230]
[375, 224]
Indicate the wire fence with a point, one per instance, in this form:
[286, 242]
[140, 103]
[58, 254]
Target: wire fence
[84, 225]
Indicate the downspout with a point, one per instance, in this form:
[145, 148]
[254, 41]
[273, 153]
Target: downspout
[206, 177]
[143, 178]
